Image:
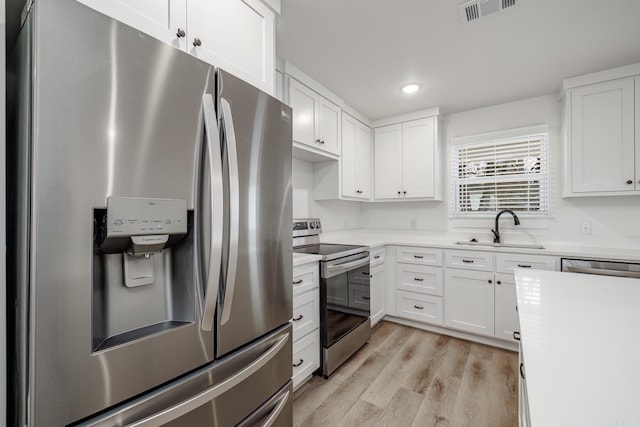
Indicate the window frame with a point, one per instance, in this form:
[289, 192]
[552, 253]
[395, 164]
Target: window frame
[497, 138]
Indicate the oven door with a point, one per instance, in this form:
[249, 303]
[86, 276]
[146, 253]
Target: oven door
[345, 296]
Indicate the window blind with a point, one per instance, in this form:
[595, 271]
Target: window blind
[502, 173]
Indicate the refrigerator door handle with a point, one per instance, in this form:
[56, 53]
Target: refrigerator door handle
[194, 402]
[278, 409]
[234, 209]
[217, 200]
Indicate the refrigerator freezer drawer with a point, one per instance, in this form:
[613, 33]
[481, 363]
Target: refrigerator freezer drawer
[276, 412]
[220, 394]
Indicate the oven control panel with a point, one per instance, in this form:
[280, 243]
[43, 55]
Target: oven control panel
[306, 227]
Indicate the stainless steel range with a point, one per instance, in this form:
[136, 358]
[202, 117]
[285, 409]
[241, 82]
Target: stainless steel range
[344, 293]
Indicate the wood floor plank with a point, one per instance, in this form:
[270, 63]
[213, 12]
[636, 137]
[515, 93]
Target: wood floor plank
[401, 410]
[437, 405]
[468, 409]
[427, 378]
[405, 362]
[361, 414]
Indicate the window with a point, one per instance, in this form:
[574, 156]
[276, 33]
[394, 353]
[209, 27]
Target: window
[505, 170]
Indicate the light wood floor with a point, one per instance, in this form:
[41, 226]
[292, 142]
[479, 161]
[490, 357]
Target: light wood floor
[410, 377]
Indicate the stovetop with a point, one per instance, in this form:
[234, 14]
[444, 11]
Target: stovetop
[330, 251]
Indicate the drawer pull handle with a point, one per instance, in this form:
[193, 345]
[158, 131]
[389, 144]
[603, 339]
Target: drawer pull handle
[366, 273]
[418, 279]
[516, 335]
[376, 257]
[295, 319]
[295, 365]
[418, 307]
[524, 266]
[366, 298]
[522, 370]
[468, 261]
[297, 282]
[418, 256]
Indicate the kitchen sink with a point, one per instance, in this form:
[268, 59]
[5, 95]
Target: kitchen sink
[501, 245]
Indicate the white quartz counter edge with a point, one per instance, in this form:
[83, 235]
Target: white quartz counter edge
[377, 238]
[299, 259]
[580, 344]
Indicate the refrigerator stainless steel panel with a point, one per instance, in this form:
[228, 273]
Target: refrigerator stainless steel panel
[114, 114]
[220, 394]
[257, 257]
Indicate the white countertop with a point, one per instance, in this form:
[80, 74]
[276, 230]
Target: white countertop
[581, 348]
[299, 259]
[374, 238]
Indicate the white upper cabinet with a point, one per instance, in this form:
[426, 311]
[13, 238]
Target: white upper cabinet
[356, 158]
[602, 137]
[407, 161]
[236, 35]
[316, 120]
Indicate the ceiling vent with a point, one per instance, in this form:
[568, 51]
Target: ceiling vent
[476, 9]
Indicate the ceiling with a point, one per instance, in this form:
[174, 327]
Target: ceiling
[365, 50]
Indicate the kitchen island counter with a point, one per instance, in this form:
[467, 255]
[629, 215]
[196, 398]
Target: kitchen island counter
[580, 344]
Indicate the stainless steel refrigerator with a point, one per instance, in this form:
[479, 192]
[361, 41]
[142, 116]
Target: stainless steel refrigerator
[149, 232]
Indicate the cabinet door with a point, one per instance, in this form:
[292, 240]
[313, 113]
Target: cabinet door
[237, 36]
[304, 103]
[469, 301]
[377, 293]
[363, 160]
[388, 162]
[348, 158]
[506, 316]
[602, 137]
[418, 158]
[328, 126]
[160, 19]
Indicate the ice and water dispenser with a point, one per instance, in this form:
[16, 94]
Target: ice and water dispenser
[143, 269]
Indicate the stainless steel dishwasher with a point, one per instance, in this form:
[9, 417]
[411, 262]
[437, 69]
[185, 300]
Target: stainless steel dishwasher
[603, 268]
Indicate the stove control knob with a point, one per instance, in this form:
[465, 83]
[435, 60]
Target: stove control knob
[317, 224]
[312, 225]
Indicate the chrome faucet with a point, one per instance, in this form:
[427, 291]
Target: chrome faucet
[496, 231]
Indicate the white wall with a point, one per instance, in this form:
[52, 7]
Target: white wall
[614, 220]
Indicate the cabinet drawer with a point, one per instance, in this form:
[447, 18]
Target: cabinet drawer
[424, 279]
[306, 313]
[505, 263]
[305, 278]
[420, 307]
[469, 260]
[423, 256]
[306, 357]
[376, 256]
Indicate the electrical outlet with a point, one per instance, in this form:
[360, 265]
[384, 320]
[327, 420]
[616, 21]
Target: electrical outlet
[585, 227]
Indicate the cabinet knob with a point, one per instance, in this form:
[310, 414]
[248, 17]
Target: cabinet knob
[399, 193]
[498, 282]
[322, 142]
[180, 33]
[629, 182]
[317, 141]
[197, 42]
[404, 192]
[490, 281]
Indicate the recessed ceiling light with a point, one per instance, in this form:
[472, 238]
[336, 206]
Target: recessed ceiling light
[411, 88]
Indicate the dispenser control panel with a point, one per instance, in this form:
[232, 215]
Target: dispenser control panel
[129, 216]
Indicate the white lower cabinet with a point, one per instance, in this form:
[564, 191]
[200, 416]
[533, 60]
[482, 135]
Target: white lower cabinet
[377, 284]
[306, 322]
[469, 301]
[421, 307]
[506, 314]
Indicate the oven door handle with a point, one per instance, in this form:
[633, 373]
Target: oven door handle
[349, 265]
